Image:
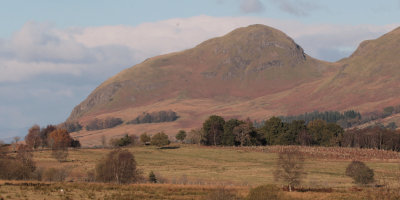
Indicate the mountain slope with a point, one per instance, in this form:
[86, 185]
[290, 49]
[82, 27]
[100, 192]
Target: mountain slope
[255, 71]
[370, 78]
[245, 64]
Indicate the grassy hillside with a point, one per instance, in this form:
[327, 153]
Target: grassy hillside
[230, 71]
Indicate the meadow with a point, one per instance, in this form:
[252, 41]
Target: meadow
[194, 172]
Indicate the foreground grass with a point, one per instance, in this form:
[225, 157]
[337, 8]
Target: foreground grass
[196, 165]
[63, 191]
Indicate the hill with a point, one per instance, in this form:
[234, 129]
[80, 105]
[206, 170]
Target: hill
[255, 71]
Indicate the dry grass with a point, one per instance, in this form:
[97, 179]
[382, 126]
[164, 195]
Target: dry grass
[196, 165]
[193, 172]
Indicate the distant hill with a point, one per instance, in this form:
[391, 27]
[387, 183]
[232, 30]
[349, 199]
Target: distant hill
[256, 72]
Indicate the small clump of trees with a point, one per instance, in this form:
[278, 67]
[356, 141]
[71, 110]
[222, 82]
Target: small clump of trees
[155, 117]
[71, 126]
[99, 124]
[126, 140]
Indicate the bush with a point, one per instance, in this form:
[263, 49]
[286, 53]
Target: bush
[144, 138]
[360, 173]
[160, 139]
[222, 194]
[152, 177]
[118, 166]
[181, 135]
[55, 174]
[124, 141]
[21, 167]
[265, 192]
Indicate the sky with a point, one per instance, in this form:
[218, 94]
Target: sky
[54, 53]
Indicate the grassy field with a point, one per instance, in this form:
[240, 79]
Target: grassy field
[192, 172]
[189, 164]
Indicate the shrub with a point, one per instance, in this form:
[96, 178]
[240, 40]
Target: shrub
[360, 172]
[152, 177]
[265, 192]
[160, 139]
[118, 166]
[222, 194]
[21, 167]
[181, 135]
[55, 174]
[144, 138]
[124, 141]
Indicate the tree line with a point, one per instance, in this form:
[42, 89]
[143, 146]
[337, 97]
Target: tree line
[274, 131]
[155, 117]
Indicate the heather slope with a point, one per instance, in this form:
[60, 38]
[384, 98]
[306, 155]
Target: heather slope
[245, 64]
[370, 78]
[255, 71]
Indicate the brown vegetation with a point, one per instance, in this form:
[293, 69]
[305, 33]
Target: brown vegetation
[119, 166]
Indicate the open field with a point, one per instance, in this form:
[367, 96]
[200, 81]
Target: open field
[190, 164]
[193, 172]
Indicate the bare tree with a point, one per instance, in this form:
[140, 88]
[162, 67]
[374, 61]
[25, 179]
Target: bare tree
[16, 139]
[119, 166]
[33, 138]
[59, 140]
[195, 136]
[290, 167]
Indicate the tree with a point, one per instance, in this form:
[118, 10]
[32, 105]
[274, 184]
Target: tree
[273, 128]
[144, 138]
[118, 166]
[242, 134]
[228, 137]
[290, 167]
[25, 158]
[59, 140]
[44, 134]
[291, 135]
[360, 172]
[181, 135]
[195, 136]
[16, 139]
[160, 139]
[213, 128]
[152, 177]
[33, 138]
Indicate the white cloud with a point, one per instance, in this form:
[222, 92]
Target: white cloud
[251, 6]
[42, 49]
[296, 7]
